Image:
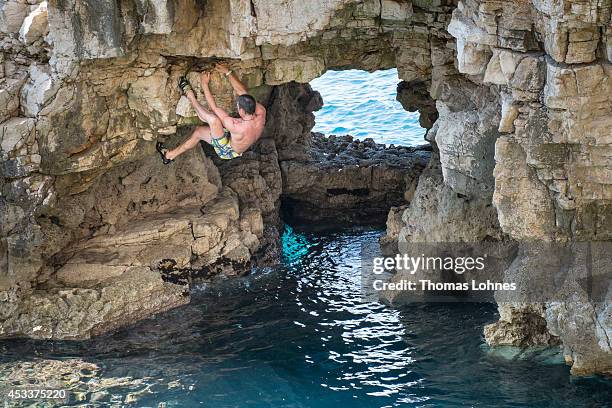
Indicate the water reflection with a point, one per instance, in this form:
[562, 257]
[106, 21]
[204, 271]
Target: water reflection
[299, 335]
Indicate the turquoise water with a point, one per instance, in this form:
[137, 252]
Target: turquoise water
[363, 105]
[301, 335]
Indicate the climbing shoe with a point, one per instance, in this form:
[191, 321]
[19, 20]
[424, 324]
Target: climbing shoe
[162, 152]
[184, 85]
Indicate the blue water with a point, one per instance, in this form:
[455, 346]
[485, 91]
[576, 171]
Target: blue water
[363, 105]
[301, 335]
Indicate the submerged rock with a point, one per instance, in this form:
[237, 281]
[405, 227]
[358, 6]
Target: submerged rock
[520, 325]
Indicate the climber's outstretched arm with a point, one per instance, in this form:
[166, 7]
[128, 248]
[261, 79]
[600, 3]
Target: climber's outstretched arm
[237, 84]
[228, 121]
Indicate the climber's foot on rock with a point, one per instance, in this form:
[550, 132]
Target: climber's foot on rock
[184, 85]
[162, 152]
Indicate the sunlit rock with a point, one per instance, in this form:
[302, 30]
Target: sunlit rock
[509, 112]
[147, 97]
[12, 14]
[9, 95]
[301, 70]
[395, 10]
[15, 135]
[523, 219]
[39, 90]
[35, 25]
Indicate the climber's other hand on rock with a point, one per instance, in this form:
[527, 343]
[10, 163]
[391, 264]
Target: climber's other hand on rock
[222, 68]
[205, 78]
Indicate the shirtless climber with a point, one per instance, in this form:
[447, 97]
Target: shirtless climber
[230, 137]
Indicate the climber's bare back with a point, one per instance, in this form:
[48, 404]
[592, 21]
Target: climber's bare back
[230, 137]
[246, 132]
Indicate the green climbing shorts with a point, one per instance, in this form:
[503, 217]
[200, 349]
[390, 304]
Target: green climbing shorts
[223, 147]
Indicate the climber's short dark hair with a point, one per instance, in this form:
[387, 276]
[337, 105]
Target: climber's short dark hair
[247, 102]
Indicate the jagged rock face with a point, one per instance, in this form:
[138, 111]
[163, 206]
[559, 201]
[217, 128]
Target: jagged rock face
[438, 214]
[345, 181]
[414, 96]
[528, 122]
[552, 170]
[522, 90]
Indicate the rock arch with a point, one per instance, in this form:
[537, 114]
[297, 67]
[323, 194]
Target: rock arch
[522, 90]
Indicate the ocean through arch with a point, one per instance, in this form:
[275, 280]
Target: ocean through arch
[364, 105]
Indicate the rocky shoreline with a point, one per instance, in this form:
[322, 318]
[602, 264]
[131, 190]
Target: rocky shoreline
[347, 181]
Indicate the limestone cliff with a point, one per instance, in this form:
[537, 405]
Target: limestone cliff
[522, 90]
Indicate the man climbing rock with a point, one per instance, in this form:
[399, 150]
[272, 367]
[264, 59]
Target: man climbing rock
[230, 137]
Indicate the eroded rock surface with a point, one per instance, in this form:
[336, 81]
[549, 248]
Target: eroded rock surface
[350, 181]
[522, 90]
[549, 186]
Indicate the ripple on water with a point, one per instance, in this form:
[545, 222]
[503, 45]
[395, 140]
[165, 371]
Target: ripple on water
[302, 335]
[363, 104]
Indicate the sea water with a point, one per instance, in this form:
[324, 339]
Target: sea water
[301, 334]
[363, 104]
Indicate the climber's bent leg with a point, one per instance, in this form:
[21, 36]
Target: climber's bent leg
[200, 133]
[204, 114]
